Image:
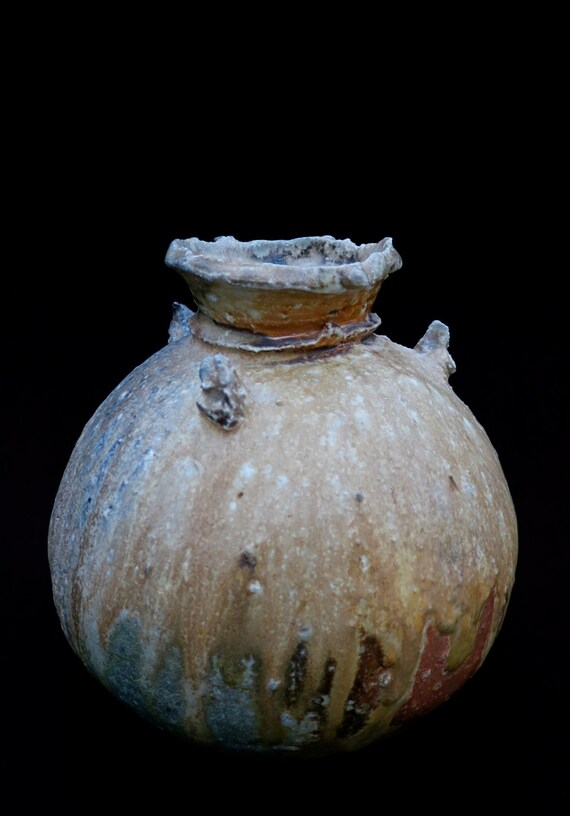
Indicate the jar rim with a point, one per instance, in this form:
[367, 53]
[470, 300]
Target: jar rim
[315, 263]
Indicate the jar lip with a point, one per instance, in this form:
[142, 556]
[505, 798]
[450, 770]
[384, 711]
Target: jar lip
[316, 263]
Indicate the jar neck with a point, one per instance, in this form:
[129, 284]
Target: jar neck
[305, 293]
[330, 335]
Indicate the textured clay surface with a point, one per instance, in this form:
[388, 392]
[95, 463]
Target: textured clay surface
[284, 550]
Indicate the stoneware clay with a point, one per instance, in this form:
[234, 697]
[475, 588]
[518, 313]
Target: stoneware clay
[283, 531]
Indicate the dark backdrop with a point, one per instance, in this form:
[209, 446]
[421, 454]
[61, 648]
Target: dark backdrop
[92, 298]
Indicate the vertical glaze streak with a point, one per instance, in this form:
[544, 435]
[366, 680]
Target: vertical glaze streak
[365, 693]
[296, 674]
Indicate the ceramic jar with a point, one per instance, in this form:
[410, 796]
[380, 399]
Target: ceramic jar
[283, 531]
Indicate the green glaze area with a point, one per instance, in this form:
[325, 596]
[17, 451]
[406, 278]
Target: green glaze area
[231, 705]
[125, 661]
[156, 695]
[167, 698]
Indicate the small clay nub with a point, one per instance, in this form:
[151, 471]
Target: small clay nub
[435, 343]
[223, 395]
[179, 325]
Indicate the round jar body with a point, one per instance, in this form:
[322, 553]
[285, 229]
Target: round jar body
[283, 550]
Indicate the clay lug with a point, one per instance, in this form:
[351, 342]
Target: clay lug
[223, 395]
[179, 325]
[435, 343]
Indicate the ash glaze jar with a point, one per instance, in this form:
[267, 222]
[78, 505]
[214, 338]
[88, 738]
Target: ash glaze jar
[283, 532]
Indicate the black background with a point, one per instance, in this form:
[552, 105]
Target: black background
[91, 298]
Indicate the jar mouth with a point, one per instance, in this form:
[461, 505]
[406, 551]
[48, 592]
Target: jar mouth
[317, 263]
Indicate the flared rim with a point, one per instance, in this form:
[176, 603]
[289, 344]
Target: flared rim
[315, 263]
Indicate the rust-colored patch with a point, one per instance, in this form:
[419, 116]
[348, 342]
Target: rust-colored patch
[365, 694]
[296, 674]
[434, 683]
